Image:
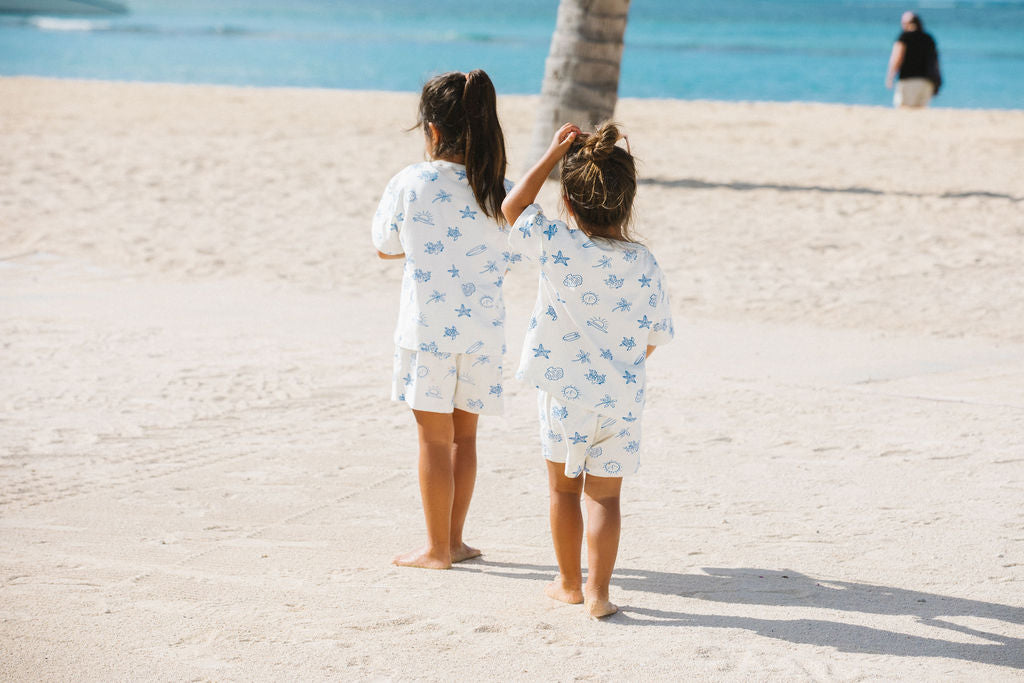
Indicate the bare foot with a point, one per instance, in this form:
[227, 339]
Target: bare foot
[600, 608]
[422, 558]
[464, 552]
[558, 590]
[596, 602]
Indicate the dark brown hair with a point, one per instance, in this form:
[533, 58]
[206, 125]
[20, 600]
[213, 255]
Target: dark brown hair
[599, 184]
[464, 109]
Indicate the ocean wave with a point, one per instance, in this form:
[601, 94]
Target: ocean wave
[803, 50]
[46, 23]
[64, 24]
[746, 48]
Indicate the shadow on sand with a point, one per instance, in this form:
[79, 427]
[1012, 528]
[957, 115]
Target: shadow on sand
[694, 184]
[792, 589]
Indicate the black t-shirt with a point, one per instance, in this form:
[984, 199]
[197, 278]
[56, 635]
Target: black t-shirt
[919, 55]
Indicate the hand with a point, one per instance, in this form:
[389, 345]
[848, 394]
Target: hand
[563, 139]
[525, 191]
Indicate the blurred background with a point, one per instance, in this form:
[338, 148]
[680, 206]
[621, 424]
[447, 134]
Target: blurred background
[780, 50]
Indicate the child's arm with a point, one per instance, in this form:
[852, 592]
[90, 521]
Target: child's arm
[525, 191]
[386, 228]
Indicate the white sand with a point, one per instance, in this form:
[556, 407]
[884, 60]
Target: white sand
[201, 476]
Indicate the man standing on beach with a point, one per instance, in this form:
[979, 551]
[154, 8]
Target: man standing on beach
[916, 59]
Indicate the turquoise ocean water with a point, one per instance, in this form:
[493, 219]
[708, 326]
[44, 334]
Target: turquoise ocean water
[811, 50]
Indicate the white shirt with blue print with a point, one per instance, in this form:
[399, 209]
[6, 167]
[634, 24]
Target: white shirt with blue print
[600, 303]
[455, 261]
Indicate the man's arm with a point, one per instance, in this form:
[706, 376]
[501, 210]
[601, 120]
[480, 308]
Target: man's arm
[899, 51]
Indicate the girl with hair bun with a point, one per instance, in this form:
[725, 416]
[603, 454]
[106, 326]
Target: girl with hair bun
[443, 216]
[601, 309]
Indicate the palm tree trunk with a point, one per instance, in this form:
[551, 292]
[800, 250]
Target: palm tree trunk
[581, 76]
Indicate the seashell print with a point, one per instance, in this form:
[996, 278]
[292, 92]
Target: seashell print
[573, 280]
[554, 373]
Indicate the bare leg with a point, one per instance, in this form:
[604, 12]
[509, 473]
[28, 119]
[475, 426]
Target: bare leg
[604, 523]
[436, 436]
[566, 533]
[464, 475]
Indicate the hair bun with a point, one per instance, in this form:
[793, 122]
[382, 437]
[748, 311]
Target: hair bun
[600, 145]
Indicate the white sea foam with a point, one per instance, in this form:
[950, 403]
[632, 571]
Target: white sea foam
[59, 24]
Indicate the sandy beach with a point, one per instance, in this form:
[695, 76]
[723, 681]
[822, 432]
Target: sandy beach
[202, 477]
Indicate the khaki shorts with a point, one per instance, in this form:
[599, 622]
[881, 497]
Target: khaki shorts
[913, 92]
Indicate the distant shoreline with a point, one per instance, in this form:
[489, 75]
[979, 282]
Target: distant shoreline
[305, 88]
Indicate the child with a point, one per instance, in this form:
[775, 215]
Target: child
[601, 309]
[444, 217]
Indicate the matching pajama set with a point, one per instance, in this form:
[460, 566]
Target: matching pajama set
[450, 336]
[600, 303]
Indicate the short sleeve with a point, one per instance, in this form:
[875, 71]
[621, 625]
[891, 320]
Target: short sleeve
[524, 237]
[387, 221]
[662, 330]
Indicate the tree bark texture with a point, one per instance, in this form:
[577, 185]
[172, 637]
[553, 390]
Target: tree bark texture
[581, 75]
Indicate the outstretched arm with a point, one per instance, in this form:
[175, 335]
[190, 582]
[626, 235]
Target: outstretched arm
[526, 190]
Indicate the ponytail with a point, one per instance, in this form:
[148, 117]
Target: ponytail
[463, 107]
[485, 144]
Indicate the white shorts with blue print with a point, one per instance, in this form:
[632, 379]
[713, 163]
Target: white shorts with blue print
[439, 382]
[587, 442]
